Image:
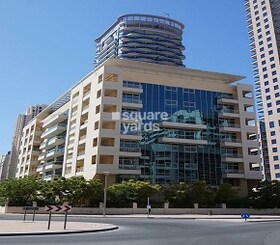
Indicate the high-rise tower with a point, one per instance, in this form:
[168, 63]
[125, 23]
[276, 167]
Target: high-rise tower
[141, 37]
[263, 18]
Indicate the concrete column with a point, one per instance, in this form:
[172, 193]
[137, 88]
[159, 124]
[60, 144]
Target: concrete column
[224, 208]
[134, 207]
[166, 207]
[195, 208]
[100, 211]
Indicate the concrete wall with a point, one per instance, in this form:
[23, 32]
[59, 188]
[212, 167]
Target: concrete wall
[161, 211]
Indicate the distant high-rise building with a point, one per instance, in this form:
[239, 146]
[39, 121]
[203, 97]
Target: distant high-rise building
[4, 162]
[21, 122]
[263, 18]
[141, 37]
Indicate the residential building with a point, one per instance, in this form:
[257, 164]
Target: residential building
[209, 132]
[38, 142]
[159, 123]
[4, 162]
[21, 122]
[263, 24]
[141, 37]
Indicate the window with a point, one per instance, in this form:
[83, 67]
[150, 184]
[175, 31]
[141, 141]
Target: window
[256, 6]
[264, 8]
[275, 80]
[257, 18]
[263, 2]
[277, 102]
[271, 124]
[272, 66]
[275, 158]
[270, 52]
[269, 45]
[273, 141]
[278, 110]
[264, 69]
[265, 20]
[266, 83]
[94, 143]
[272, 133]
[266, 26]
[276, 166]
[98, 94]
[274, 149]
[268, 97]
[258, 24]
[267, 90]
[276, 87]
[100, 78]
[97, 109]
[96, 125]
[273, 73]
[256, 12]
[265, 14]
[271, 59]
[265, 76]
[262, 49]
[269, 105]
[277, 175]
[270, 112]
[262, 55]
[259, 30]
[263, 62]
[277, 95]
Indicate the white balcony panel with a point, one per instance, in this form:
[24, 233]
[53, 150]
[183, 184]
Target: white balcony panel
[182, 141]
[191, 126]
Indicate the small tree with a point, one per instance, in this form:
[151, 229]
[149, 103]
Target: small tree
[20, 191]
[127, 192]
[226, 194]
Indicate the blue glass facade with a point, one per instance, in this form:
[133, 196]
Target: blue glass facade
[174, 162]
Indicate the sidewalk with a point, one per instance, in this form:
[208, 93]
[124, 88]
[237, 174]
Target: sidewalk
[235, 218]
[15, 227]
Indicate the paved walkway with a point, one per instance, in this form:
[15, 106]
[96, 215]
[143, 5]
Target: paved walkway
[15, 227]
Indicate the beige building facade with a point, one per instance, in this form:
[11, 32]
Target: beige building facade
[151, 122]
[263, 29]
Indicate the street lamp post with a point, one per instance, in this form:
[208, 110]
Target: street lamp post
[106, 174]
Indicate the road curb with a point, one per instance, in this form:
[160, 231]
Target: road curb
[58, 232]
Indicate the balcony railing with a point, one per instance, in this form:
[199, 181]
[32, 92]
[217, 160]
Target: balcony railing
[231, 140]
[129, 149]
[132, 100]
[232, 171]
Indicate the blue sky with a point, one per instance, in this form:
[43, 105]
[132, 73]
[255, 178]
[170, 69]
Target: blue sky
[46, 46]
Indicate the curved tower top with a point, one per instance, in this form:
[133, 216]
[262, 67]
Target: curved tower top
[141, 37]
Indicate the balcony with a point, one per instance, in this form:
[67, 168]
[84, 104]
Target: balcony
[81, 155]
[40, 169]
[131, 103]
[179, 125]
[229, 113]
[83, 124]
[55, 119]
[227, 127]
[54, 130]
[130, 151]
[53, 165]
[181, 140]
[55, 141]
[233, 174]
[132, 88]
[232, 157]
[228, 142]
[227, 99]
[56, 152]
[129, 169]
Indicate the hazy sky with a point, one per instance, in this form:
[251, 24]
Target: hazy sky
[46, 46]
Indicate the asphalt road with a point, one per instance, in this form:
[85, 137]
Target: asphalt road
[144, 231]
